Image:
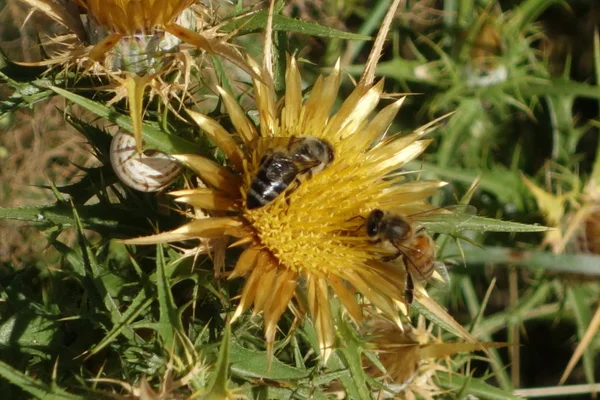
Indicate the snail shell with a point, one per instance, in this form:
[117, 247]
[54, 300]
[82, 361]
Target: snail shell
[149, 171]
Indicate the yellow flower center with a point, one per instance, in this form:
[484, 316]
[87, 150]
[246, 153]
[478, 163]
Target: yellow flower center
[317, 227]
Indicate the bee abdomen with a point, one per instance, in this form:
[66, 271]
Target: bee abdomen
[272, 178]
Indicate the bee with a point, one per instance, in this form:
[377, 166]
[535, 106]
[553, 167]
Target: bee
[397, 234]
[284, 167]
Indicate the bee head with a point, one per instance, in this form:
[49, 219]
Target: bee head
[374, 222]
[311, 148]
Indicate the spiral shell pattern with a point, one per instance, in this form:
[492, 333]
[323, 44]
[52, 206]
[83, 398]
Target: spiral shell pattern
[146, 172]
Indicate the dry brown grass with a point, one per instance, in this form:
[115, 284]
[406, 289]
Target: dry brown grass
[37, 146]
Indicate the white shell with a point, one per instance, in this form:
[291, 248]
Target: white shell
[139, 171]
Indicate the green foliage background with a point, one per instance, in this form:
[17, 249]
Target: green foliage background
[91, 308]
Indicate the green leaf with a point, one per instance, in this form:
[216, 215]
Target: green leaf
[220, 379]
[258, 21]
[27, 330]
[154, 138]
[578, 299]
[348, 358]
[472, 386]
[560, 87]
[141, 302]
[98, 217]
[96, 273]
[505, 184]
[252, 363]
[25, 94]
[586, 264]
[33, 386]
[460, 222]
[169, 321]
[529, 10]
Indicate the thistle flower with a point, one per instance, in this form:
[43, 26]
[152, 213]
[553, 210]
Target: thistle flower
[411, 357]
[312, 234]
[130, 39]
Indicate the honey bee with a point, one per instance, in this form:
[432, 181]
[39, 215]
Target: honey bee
[284, 167]
[397, 234]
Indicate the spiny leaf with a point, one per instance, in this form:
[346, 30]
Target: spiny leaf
[141, 302]
[219, 382]
[33, 386]
[251, 363]
[258, 21]
[154, 138]
[97, 217]
[456, 223]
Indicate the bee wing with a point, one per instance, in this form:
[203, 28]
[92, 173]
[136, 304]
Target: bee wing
[264, 145]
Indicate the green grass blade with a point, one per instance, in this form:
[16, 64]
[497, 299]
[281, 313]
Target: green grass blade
[33, 386]
[475, 387]
[578, 300]
[96, 273]
[139, 304]
[586, 264]
[169, 321]
[475, 308]
[257, 22]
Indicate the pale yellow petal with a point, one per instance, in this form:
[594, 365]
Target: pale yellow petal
[408, 192]
[317, 110]
[208, 199]
[290, 114]
[264, 95]
[220, 136]
[347, 297]
[98, 51]
[212, 173]
[443, 315]
[379, 300]
[245, 263]
[251, 287]
[318, 304]
[267, 280]
[280, 296]
[204, 228]
[378, 126]
[238, 117]
[390, 158]
[353, 112]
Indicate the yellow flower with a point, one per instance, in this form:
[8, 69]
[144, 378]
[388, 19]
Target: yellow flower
[311, 234]
[130, 17]
[129, 39]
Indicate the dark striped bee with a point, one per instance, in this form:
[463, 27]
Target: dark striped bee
[398, 235]
[283, 167]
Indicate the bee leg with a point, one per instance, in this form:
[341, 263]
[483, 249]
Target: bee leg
[391, 257]
[290, 189]
[364, 221]
[409, 288]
